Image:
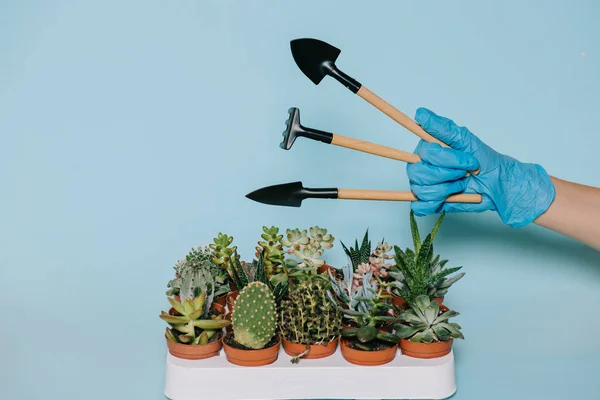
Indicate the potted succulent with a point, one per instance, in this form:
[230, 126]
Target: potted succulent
[364, 259]
[307, 250]
[196, 274]
[223, 251]
[309, 321]
[271, 248]
[254, 320]
[193, 334]
[370, 343]
[244, 273]
[425, 331]
[418, 272]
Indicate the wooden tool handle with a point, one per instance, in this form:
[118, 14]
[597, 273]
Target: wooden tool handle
[372, 148]
[391, 195]
[399, 117]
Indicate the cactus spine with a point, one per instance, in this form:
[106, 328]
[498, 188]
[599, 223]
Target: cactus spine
[254, 317]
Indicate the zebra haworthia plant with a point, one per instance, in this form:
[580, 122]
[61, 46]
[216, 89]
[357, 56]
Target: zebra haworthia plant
[417, 271]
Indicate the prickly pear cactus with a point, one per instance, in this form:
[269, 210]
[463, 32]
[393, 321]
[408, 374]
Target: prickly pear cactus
[254, 317]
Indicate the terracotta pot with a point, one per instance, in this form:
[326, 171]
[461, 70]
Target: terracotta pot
[220, 300]
[218, 307]
[361, 357]
[399, 302]
[194, 352]
[425, 350]
[315, 351]
[231, 299]
[232, 286]
[323, 269]
[252, 358]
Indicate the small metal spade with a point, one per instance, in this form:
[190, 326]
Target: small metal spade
[292, 194]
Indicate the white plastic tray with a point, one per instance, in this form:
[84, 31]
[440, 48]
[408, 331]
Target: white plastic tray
[326, 378]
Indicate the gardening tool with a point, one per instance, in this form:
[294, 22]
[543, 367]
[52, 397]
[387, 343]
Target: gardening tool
[291, 195]
[316, 59]
[294, 130]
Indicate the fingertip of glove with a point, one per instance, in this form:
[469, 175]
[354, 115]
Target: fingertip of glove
[422, 116]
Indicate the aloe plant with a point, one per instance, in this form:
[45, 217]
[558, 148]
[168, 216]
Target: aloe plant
[359, 254]
[424, 322]
[417, 271]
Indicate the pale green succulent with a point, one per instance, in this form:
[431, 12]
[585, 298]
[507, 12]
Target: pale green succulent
[424, 322]
[196, 274]
[187, 327]
[308, 250]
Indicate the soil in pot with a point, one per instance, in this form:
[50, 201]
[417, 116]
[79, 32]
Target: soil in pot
[315, 351]
[244, 356]
[382, 354]
[425, 350]
[196, 352]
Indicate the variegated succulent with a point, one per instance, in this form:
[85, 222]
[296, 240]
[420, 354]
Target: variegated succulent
[190, 325]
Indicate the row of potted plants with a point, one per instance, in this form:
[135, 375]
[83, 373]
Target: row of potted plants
[289, 296]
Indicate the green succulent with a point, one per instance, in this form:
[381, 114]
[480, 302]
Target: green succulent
[254, 317]
[308, 250]
[223, 249]
[187, 327]
[418, 272]
[367, 335]
[359, 255]
[272, 249]
[197, 273]
[309, 316]
[425, 322]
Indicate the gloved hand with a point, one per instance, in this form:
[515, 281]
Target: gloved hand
[519, 192]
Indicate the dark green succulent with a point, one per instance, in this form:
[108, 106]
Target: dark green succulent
[359, 255]
[417, 271]
[425, 322]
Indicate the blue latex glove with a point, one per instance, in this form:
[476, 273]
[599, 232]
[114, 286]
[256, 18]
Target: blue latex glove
[519, 192]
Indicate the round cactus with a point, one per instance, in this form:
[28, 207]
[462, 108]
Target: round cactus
[254, 318]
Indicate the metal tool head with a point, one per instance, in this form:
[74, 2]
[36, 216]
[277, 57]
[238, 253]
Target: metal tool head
[286, 194]
[292, 129]
[314, 57]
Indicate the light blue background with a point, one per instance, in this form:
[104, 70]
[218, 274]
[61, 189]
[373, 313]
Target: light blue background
[131, 131]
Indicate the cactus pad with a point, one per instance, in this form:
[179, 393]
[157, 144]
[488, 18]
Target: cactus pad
[254, 317]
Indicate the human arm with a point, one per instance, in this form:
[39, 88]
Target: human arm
[575, 212]
[521, 193]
